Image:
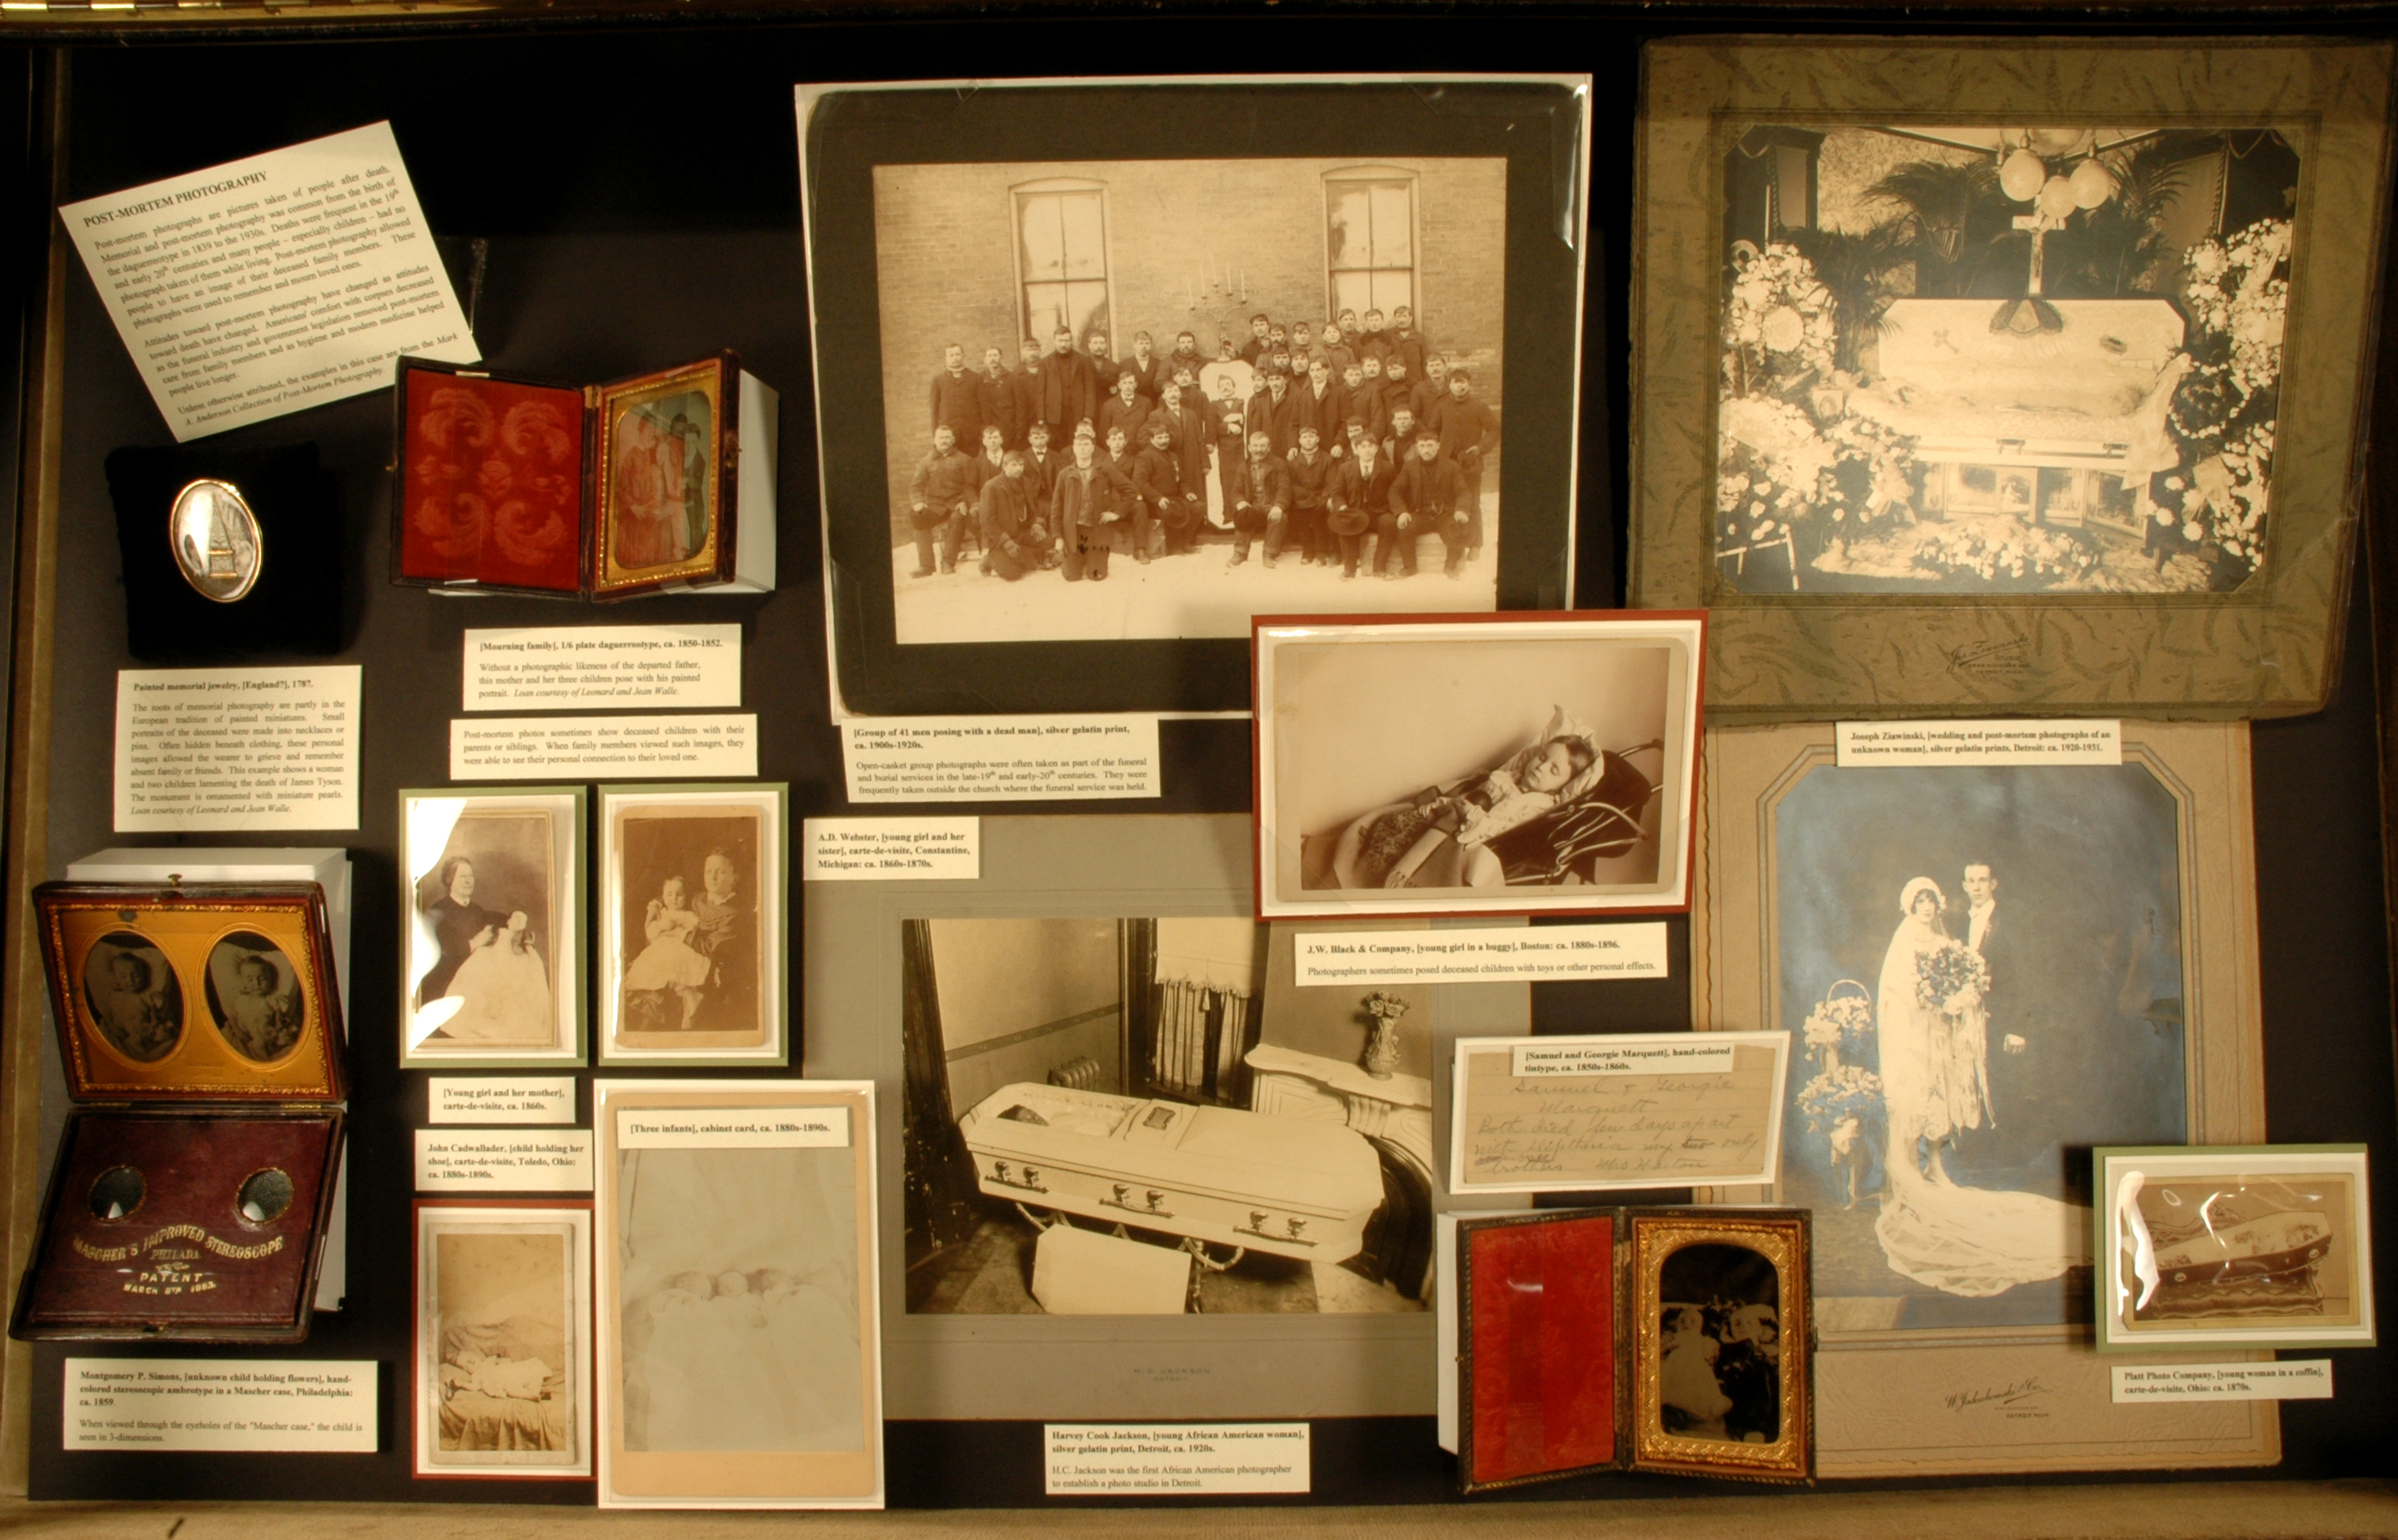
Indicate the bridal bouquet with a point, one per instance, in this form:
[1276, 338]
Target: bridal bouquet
[1845, 1092]
[1838, 1023]
[1946, 972]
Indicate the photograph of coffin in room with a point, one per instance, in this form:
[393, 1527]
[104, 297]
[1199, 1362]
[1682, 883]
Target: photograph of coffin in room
[1118, 1116]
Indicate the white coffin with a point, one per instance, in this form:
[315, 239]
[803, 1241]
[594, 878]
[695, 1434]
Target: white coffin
[1278, 1184]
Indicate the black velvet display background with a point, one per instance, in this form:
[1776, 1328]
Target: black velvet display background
[615, 254]
[296, 606]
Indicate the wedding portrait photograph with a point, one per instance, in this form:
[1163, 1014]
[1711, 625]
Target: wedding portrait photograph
[493, 905]
[692, 903]
[1121, 1118]
[1720, 1333]
[658, 477]
[2256, 1246]
[738, 1333]
[503, 1340]
[132, 995]
[1498, 765]
[1292, 366]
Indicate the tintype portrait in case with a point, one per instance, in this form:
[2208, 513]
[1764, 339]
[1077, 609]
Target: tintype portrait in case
[1419, 767]
[254, 996]
[493, 891]
[2263, 1245]
[504, 1310]
[691, 900]
[1972, 360]
[1985, 967]
[1118, 1116]
[1720, 1332]
[661, 479]
[133, 997]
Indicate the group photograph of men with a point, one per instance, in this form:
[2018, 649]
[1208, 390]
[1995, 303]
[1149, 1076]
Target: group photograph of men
[1347, 443]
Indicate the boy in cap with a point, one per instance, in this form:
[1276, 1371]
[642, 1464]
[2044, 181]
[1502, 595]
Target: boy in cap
[1157, 480]
[1260, 490]
[1125, 408]
[939, 498]
[1469, 431]
[1260, 338]
[1015, 540]
[1310, 467]
[1360, 494]
[1429, 497]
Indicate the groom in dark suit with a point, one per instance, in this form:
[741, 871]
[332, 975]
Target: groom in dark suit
[1990, 932]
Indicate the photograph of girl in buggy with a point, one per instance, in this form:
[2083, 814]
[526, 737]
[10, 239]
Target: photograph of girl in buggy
[1505, 766]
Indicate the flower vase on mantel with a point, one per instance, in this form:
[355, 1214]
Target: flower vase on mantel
[1382, 1039]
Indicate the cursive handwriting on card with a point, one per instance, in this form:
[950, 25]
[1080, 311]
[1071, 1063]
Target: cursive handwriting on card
[1621, 1129]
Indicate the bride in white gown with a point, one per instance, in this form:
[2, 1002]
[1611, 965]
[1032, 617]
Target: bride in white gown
[1960, 1240]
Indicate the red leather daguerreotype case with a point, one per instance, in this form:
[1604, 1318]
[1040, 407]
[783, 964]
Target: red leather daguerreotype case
[530, 486]
[200, 1030]
[1539, 1381]
[1671, 1340]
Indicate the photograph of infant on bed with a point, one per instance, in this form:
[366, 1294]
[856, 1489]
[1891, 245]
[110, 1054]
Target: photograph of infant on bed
[1116, 1116]
[501, 1351]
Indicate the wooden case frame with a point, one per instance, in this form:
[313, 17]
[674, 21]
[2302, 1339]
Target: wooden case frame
[2269, 647]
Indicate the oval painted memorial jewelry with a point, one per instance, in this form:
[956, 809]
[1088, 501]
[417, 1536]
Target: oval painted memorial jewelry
[218, 546]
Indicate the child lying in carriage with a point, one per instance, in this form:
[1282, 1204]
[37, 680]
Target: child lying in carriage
[1547, 815]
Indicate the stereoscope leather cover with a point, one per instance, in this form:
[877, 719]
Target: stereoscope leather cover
[517, 484]
[200, 1029]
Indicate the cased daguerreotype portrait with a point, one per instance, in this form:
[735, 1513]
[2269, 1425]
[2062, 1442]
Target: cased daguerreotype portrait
[1989, 969]
[1722, 1345]
[739, 1344]
[2250, 1245]
[1488, 764]
[691, 930]
[504, 1357]
[662, 462]
[493, 891]
[1319, 359]
[2061, 359]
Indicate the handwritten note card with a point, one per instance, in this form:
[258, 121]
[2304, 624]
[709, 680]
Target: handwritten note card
[1541, 1114]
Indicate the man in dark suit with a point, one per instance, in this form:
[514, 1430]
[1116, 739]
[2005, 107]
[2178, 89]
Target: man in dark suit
[1064, 398]
[957, 397]
[1024, 390]
[1001, 405]
[1993, 938]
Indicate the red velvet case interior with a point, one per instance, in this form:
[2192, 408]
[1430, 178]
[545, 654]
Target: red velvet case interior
[1541, 1312]
[492, 477]
[184, 1256]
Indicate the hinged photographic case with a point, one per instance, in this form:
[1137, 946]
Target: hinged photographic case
[512, 484]
[200, 1030]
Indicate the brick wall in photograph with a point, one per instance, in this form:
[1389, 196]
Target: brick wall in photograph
[947, 264]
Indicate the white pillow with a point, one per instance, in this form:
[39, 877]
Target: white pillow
[1563, 725]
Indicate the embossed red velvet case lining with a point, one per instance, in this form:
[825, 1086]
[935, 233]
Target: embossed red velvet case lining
[517, 484]
[203, 1216]
[1537, 1319]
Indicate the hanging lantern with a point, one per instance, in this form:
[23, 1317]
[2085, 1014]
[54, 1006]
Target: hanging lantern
[2021, 175]
[2056, 197]
[2093, 183]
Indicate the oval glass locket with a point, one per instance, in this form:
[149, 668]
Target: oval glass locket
[218, 546]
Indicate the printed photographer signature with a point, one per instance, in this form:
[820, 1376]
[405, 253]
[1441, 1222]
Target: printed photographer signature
[1990, 657]
[2014, 1400]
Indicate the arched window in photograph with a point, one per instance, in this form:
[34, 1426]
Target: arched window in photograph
[1370, 238]
[1061, 257]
